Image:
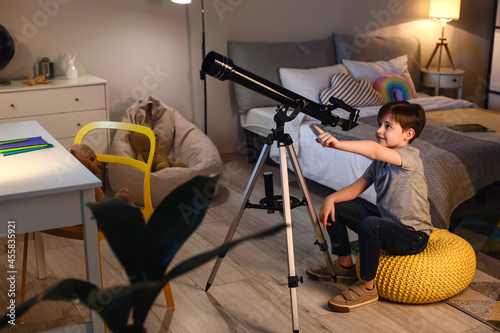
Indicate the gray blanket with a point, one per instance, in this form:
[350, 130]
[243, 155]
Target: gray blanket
[456, 166]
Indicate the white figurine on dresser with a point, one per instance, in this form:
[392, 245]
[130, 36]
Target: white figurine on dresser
[71, 72]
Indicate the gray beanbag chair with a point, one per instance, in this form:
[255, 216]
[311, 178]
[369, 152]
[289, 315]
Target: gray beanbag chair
[178, 138]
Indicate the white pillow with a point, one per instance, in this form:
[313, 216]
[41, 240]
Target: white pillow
[371, 71]
[309, 82]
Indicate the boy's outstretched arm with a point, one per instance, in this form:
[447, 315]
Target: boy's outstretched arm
[365, 148]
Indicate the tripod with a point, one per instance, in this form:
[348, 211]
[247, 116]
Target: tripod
[439, 46]
[285, 146]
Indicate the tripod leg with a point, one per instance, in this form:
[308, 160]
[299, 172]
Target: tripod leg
[439, 61]
[287, 215]
[312, 213]
[432, 56]
[248, 191]
[449, 56]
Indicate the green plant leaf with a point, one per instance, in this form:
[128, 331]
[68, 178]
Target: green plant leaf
[145, 298]
[111, 304]
[114, 304]
[145, 295]
[172, 222]
[72, 290]
[200, 259]
[115, 308]
[123, 225]
[145, 251]
[19, 311]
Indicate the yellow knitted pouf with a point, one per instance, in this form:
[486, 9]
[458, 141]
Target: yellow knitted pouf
[443, 269]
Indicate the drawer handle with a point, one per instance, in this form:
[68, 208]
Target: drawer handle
[78, 124]
[77, 99]
[12, 105]
[454, 80]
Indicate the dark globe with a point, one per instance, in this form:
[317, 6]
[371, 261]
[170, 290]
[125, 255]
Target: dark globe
[7, 50]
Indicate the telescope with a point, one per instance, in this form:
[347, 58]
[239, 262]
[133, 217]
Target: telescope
[223, 68]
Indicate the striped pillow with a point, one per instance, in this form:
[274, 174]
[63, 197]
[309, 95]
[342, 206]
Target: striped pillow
[351, 92]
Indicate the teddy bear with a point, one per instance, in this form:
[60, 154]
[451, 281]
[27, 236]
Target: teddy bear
[140, 143]
[87, 157]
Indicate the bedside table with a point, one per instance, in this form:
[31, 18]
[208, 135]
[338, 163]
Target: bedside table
[445, 78]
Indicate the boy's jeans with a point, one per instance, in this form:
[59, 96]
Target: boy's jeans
[374, 234]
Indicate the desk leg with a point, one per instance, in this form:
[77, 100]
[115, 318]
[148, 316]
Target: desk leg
[91, 253]
[40, 255]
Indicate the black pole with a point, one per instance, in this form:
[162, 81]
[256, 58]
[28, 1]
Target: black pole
[202, 74]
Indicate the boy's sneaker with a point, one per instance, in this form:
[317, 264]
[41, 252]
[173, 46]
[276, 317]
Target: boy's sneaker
[322, 272]
[354, 298]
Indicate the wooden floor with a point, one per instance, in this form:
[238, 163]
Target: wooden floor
[250, 292]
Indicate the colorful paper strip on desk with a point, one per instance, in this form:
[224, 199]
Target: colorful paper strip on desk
[23, 142]
[25, 150]
[12, 141]
[16, 146]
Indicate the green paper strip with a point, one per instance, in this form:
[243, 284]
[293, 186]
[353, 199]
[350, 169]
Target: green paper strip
[21, 148]
[13, 141]
[27, 150]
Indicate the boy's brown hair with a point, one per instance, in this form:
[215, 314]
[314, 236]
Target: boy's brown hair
[406, 115]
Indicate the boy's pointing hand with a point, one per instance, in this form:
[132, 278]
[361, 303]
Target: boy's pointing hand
[325, 138]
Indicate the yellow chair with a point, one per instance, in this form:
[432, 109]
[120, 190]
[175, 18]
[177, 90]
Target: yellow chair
[76, 232]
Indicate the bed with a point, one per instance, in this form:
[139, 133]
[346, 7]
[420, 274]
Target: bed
[457, 165]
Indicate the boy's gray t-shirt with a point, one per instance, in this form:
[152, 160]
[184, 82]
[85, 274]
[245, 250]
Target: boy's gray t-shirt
[402, 190]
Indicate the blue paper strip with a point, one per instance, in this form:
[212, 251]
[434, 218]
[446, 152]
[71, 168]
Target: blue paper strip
[34, 141]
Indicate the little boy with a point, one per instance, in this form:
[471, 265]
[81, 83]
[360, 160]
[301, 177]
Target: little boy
[401, 222]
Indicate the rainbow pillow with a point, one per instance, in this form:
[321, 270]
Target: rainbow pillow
[393, 87]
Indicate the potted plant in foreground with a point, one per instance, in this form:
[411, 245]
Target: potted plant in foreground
[145, 250]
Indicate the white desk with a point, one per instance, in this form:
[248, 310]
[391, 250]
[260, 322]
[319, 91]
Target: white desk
[48, 189]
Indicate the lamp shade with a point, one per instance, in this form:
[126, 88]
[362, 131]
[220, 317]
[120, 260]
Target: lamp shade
[444, 9]
[182, 2]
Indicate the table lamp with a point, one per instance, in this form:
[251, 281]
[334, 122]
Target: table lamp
[203, 52]
[443, 11]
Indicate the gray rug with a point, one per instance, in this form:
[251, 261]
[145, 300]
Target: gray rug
[481, 298]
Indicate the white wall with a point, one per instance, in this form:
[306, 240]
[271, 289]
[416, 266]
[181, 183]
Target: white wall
[153, 47]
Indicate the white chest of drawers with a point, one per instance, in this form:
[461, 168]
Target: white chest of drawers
[61, 107]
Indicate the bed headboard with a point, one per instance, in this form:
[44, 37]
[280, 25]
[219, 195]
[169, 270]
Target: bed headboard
[265, 59]
[364, 48]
